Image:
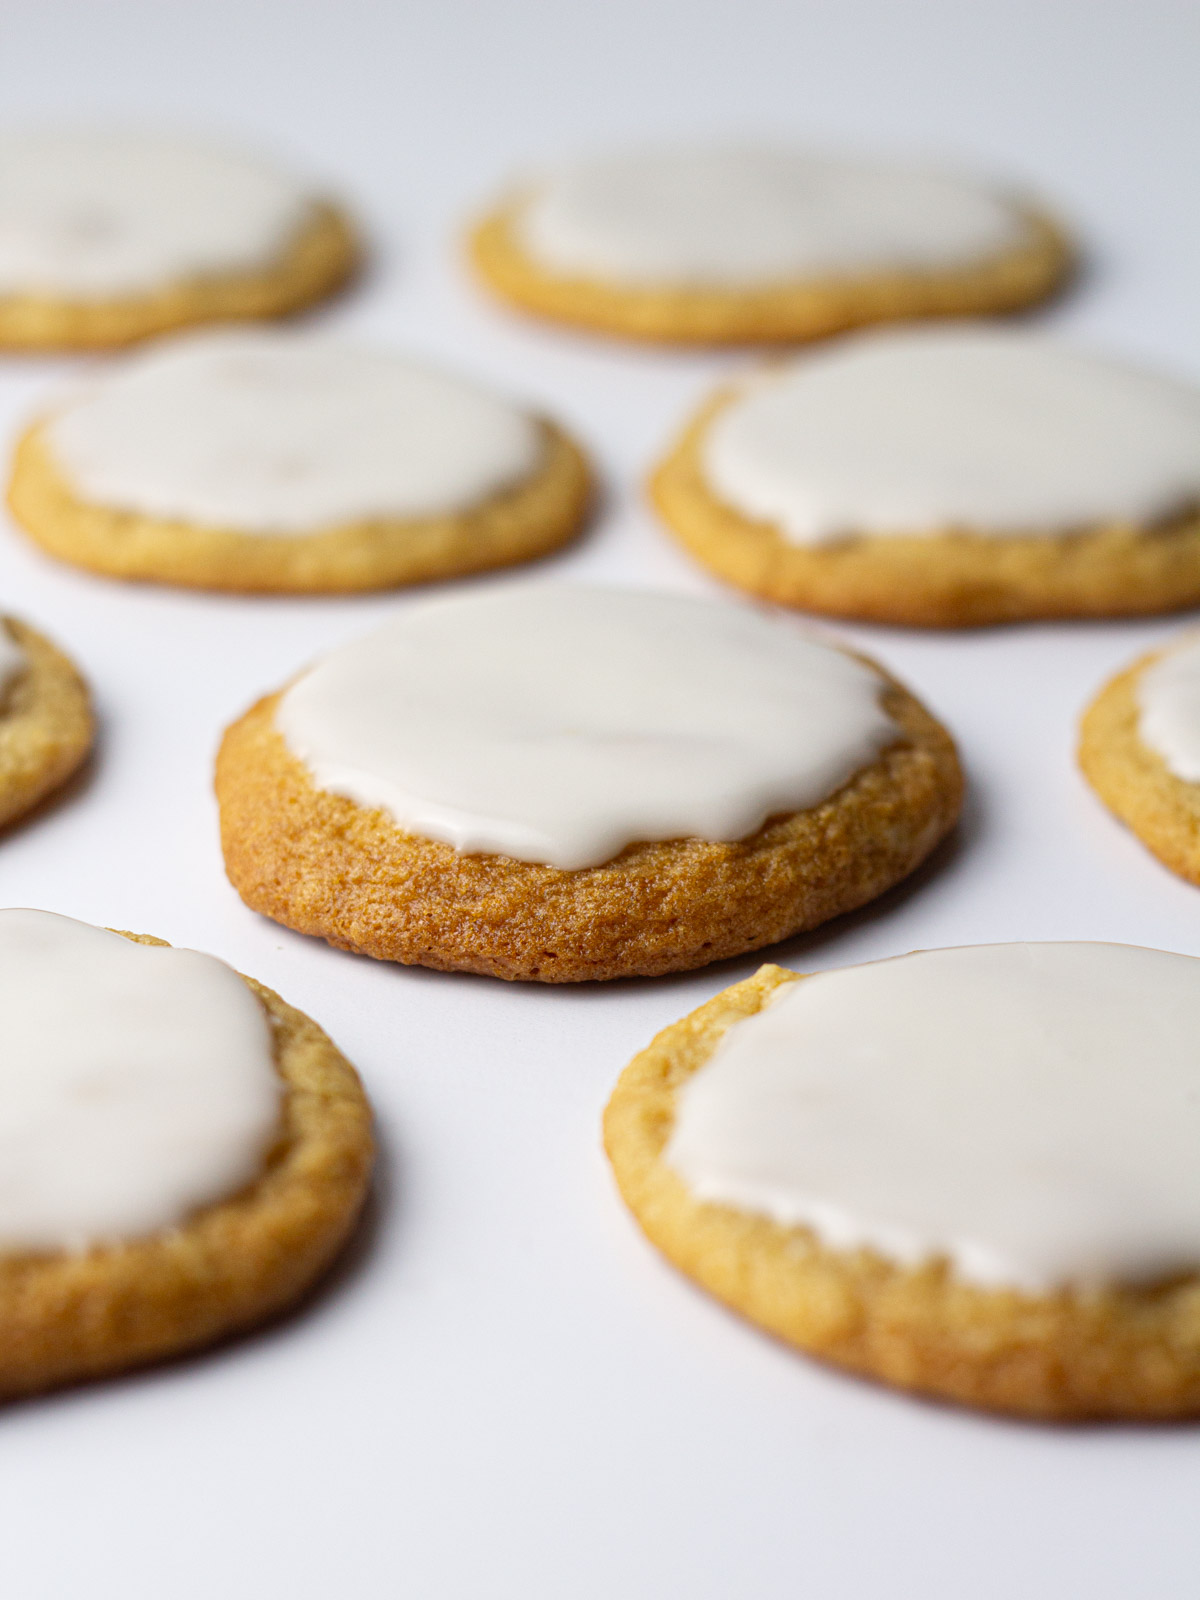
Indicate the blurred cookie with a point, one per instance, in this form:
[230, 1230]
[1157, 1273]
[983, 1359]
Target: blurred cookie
[946, 478]
[560, 783]
[46, 723]
[972, 1173]
[262, 460]
[1139, 748]
[107, 237]
[183, 1152]
[744, 245]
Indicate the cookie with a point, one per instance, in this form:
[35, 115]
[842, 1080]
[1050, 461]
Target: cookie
[558, 782]
[945, 477]
[109, 237]
[1139, 748]
[46, 726]
[184, 1153]
[969, 1173]
[276, 461]
[739, 246]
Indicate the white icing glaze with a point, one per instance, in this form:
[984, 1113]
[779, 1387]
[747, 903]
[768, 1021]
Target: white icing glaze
[744, 217]
[558, 723]
[918, 430]
[136, 1084]
[1168, 698]
[1030, 1112]
[12, 660]
[91, 214]
[274, 432]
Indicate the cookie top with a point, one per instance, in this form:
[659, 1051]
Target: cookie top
[137, 1083]
[277, 432]
[743, 218]
[12, 659]
[558, 723]
[917, 431]
[1029, 1112]
[89, 214]
[1168, 696]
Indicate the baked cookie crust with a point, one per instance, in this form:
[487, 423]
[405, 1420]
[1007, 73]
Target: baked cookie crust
[1134, 781]
[1072, 1355]
[944, 579]
[320, 258]
[68, 1317]
[532, 518]
[323, 865]
[46, 725]
[774, 314]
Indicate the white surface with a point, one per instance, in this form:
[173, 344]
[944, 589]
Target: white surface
[732, 216]
[1168, 698]
[136, 1084]
[560, 722]
[1027, 1112]
[913, 431]
[507, 1394]
[275, 432]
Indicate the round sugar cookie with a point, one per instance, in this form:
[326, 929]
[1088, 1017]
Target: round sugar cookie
[945, 477]
[109, 236]
[559, 782]
[262, 460]
[969, 1173]
[750, 245]
[1139, 748]
[184, 1153]
[46, 725]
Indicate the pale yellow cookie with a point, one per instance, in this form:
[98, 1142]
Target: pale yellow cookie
[46, 725]
[65, 1317]
[1133, 779]
[779, 313]
[1108, 1352]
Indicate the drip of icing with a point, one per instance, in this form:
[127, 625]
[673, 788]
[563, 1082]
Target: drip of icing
[137, 1083]
[742, 217]
[1030, 1112]
[269, 432]
[559, 723]
[12, 661]
[914, 431]
[95, 214]
[1168, 697]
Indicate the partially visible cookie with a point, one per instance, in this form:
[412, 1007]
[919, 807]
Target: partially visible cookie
[276, 461]
[46, 722]
[108, 237]
[946, 477]
[970, 1173]
[1139, 747]
[184, 1152]
[562, 783]
[738, 246]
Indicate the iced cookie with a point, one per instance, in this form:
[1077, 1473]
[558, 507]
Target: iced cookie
[268, 460]
[945, 478]
[183, 1152]
[714, 246]
[45, 719]
[973, 1173]
[558, 782]
[106, 237]
[1139, 748]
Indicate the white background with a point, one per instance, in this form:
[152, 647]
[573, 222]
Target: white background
[504, 1393]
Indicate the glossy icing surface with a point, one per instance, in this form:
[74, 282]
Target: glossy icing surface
[1168, 695]
[92, 214]
[137, 1083]
[914, 431]
[1029, 1112]
[558, 723]
[738, 217]
[276, 432]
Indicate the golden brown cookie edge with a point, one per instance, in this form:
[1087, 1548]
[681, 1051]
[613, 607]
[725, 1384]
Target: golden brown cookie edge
[46, 724]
